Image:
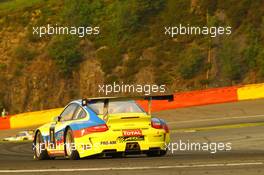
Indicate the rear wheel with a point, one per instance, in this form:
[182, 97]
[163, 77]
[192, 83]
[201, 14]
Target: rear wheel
[70, 150]
[40, 152]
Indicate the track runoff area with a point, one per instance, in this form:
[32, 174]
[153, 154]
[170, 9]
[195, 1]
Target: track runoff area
[228, 139]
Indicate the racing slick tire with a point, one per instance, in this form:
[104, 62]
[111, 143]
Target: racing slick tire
[40, 153]
[71, 153]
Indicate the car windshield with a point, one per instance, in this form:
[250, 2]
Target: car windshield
[116, 107]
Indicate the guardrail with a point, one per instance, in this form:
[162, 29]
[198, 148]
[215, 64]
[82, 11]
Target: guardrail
[182, 99]
[5, 122]
[195, 98]
[253, 91]
[29, 119]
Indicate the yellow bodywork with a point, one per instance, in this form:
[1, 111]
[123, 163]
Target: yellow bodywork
[112, 139]
[99, 142]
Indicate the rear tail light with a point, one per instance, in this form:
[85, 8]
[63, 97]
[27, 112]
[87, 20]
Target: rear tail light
[156, 124]
[98, 128]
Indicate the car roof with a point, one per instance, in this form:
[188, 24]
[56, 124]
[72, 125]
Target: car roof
[79, 101]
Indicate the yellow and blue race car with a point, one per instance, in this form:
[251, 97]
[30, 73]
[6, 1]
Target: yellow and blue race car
[113, 126]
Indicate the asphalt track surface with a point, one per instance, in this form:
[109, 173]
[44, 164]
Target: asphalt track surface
[245, 157]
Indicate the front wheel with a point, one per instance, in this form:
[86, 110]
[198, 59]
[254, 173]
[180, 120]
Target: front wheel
[40, 152]
[70, 149]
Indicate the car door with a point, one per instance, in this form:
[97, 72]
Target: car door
[57, 129]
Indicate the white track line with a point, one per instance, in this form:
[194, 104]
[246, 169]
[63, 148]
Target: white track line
[133, 168]
[221, 118]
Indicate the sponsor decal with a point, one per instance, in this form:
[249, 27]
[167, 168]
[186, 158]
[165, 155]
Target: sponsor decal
[108, 142]
[59, 136]
[56, 152]
[129, 139]
[86, 147]
[132, 132]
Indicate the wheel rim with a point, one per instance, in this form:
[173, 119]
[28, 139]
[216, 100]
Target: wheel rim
[69, 142]
[38, 145]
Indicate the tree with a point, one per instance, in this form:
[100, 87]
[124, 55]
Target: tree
[65, 51]
[231, 62]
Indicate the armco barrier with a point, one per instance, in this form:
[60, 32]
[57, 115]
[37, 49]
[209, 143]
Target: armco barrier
[183, 99]
[31, 119]
[253, 91]
[5, 122]
[195, 98]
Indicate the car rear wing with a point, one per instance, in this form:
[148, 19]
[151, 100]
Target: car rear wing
[86, 101]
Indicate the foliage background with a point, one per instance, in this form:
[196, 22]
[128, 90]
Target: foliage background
[39, 73]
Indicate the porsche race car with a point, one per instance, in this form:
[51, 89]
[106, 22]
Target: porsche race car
[103, 126]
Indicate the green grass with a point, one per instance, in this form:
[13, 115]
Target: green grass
[16, 5]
